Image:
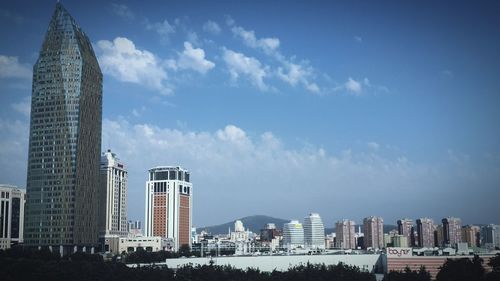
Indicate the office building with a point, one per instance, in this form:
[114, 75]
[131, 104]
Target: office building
[12, 201]
[112, 199]
[490, 236]
[169, 205]
[345, 234]
[314, 232]
[471, 235]
[64, 140]
[373, 228]
[452, 231]
[405, 227]
[293, 235]
[425, 232]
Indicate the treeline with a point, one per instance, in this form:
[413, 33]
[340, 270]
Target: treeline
[20, 264]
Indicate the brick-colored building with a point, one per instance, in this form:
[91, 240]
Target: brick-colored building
[169, 205]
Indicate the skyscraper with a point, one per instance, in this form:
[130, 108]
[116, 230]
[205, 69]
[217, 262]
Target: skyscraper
[169, 204]
[12, 202]
[293, 235]
[425, 232]
[112, 196]
[471, 235]
[452, 231]
[65, 140]
[374, 232]
[345, 234]
[405, 227]
[314, 232]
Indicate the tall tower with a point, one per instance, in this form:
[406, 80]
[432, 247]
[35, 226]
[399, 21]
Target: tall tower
[425, 231]
[345, 234]
[452, 231]
[405, 227]
[169, 205]
[112, 196]
[374, 232]
[314, 232]
[65, 140]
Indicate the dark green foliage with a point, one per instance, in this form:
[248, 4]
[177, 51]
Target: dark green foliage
[462, 269]
[142, 256]
[20, 264]
[495, 263]
[408, 275]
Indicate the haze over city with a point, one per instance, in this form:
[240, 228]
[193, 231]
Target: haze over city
[344, 109]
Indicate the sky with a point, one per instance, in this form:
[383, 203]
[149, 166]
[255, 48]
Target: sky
[283, 108]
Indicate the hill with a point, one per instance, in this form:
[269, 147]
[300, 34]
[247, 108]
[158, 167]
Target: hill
[257, 222]
[254, 223]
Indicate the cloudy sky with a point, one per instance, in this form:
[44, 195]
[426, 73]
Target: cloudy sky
[348, 109]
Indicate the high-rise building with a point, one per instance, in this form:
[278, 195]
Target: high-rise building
[373, 228]
[64, 140]
[345, 234]
[405, 228]
[293, 235]
[425, 232]
[452, 231]
[169, 204]
[490, 236]
[12, 201]
[471, 234]
[112, 198]
[314, 232]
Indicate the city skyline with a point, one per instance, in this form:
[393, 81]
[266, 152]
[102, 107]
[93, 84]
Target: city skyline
[354, 110]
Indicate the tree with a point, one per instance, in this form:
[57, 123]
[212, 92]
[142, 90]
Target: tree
[463, 269]
[408, 275]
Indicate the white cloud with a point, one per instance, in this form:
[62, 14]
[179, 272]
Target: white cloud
[23, 107]
[239, 64]
[268, 45]
[10, 67]
[121, 59]
[163, 29]
[212, 27]
[353, 86]
[447, 73]
[123, 11]
[256, 173]
[194, 58]
[294, 74]
[373, 145]
[358, 39]
[290, 71]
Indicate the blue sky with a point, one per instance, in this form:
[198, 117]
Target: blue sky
[345, 108]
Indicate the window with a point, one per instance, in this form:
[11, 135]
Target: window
[172, 175]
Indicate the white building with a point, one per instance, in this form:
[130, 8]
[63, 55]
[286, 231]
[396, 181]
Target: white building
[314, 232]
[239, 234]
[293, 235]
[12, 201]
[169, 203]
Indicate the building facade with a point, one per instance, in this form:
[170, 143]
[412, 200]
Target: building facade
[293, 235]
[471, 235]
[490, 236]
[12, 201]
[452, 231]
[345, 234]
[169, 205]
[405, 227]
[64, 140]
[425, 232]
[373, 228]
[314, 232]
[112, 198]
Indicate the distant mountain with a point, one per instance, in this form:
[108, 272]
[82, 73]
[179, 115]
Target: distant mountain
[257, 222]
[254, 223]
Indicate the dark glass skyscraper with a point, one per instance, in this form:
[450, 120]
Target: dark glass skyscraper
[65, 140]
